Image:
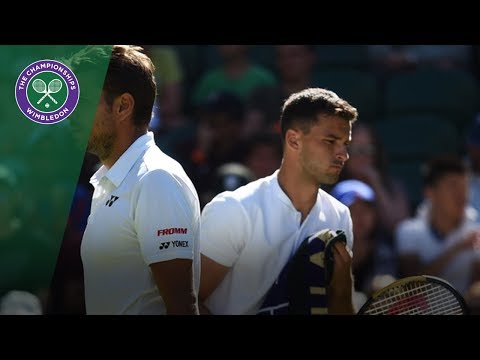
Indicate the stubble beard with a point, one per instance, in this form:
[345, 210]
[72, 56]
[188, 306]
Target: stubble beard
[102, 145]
[318, 174]
[329, 179]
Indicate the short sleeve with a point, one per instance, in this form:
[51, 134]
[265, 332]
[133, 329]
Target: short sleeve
[167, 216]
[225, 227]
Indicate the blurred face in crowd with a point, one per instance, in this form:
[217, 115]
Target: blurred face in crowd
[449, 195]
[474, 157]
[263, 160]
[294, 61]
[364, 219]
[232, 51]
[361, 150]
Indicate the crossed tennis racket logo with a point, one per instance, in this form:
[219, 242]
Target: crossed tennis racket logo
[40, 87]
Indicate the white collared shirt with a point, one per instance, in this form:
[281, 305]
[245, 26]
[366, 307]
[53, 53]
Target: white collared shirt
[144, 210]
[255, 230]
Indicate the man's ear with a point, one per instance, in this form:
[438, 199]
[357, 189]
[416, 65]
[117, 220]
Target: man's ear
[124, 105]
[292, 139]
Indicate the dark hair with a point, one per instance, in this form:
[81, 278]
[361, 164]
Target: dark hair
[441, 166]
[129, 71]
[302, 109]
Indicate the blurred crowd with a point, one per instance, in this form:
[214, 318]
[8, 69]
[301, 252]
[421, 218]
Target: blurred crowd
[412, 182]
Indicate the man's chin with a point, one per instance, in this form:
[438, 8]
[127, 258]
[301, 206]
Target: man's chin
[330, 179]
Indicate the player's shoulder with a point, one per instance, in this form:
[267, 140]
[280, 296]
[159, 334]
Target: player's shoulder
[248, 192]
[242, 198]
[156, 162]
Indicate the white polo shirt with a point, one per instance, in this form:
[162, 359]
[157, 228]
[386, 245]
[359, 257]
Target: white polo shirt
[144, 210]
[255, 230]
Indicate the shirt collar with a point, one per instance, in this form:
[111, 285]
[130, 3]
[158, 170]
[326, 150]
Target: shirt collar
[122, 166]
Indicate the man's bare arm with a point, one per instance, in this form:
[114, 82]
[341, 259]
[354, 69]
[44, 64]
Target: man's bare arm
[174, 279]
[211, 276]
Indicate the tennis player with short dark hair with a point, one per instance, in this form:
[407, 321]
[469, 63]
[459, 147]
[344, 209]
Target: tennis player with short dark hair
[250, 234]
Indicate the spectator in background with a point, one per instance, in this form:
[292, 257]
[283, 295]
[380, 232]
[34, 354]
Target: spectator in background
[444, 237]
[220, 120]
[473, 156]
[228, 177]
[237, 74]
[169, 76]
[373, 253]
[368, 163]
[263, 154]
[400, 57]
[170, 124]
[295, 67]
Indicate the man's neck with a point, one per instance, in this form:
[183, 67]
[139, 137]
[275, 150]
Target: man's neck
[124, 141]
[302, 193]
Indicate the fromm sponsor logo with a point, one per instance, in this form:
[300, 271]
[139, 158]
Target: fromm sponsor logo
[171, 231]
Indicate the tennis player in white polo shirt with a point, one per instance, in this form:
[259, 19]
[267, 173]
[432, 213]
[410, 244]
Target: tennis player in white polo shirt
[140, 248]
[250, 234]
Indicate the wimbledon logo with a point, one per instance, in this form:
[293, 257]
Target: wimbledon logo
[47, 91]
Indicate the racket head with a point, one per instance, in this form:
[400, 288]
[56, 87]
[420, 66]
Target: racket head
[39, 86]
[416, 295]
[54, 86]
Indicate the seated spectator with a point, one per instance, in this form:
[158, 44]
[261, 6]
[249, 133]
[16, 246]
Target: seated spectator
[443, 238]
[473, 156]
[237, 74]
[227, 177]
[401, 57]
[263, 154]
[220, 120]
[368, 163]
[372, 253]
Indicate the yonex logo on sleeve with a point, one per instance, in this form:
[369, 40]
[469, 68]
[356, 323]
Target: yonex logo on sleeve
[164, 245]
[47, 91]
[175, 244]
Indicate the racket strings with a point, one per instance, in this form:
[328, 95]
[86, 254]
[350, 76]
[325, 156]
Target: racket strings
[39, 85]
[414, 299]
[54, 86]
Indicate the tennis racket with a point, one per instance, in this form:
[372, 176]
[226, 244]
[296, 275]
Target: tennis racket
[416, 295]
[54, 86]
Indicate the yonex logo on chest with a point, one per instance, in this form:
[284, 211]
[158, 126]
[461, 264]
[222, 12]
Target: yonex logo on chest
[112, 199]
